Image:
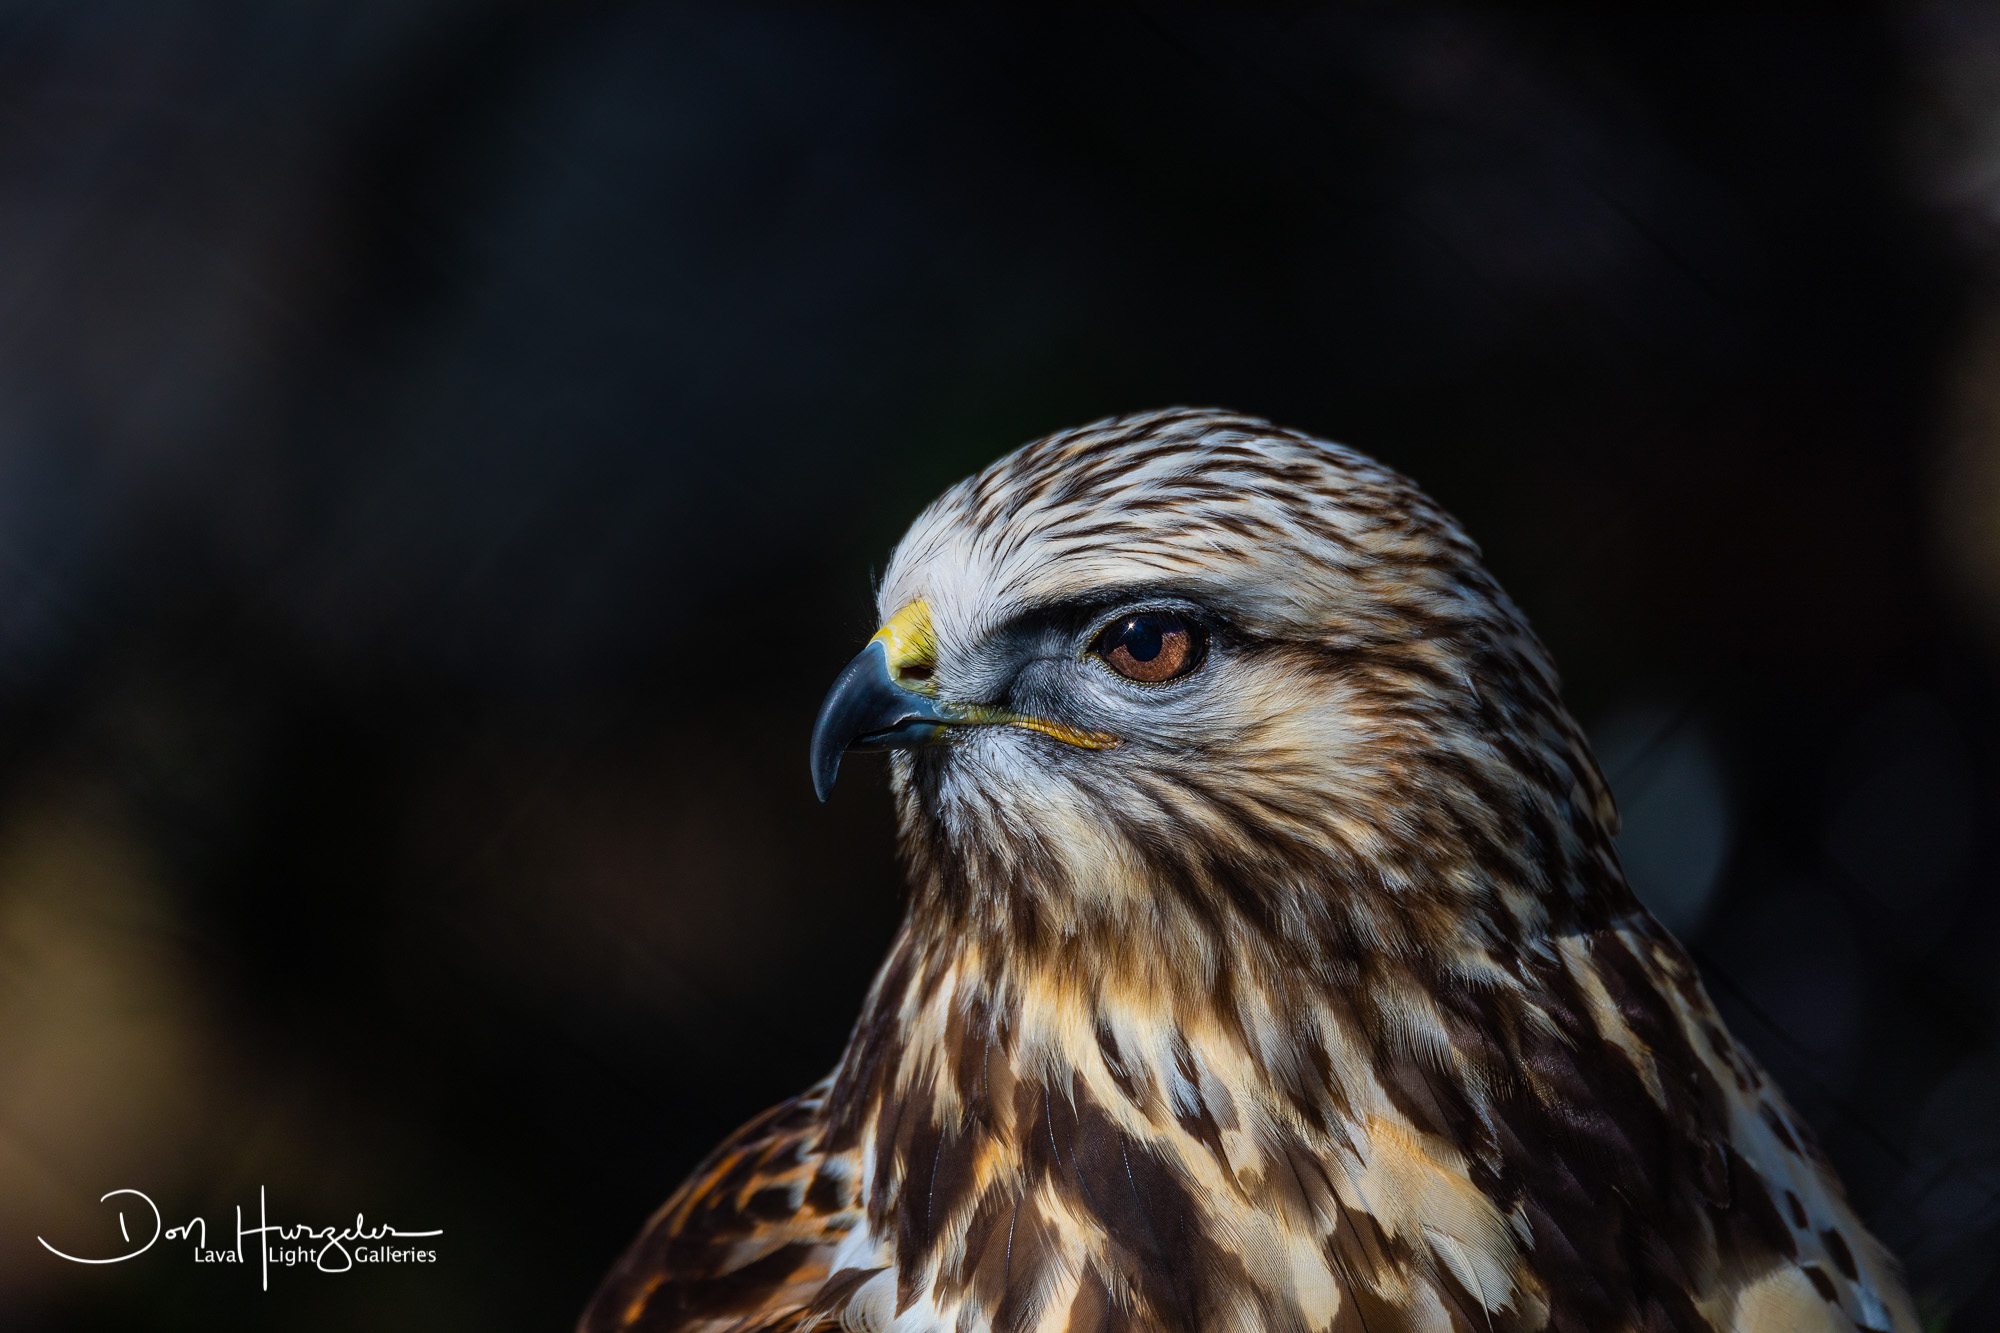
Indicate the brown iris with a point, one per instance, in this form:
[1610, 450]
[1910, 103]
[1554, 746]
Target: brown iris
[1151, 647]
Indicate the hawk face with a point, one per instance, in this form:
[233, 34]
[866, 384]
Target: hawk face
[1192, 654]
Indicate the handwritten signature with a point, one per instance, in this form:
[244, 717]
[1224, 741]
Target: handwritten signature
[329, 1249]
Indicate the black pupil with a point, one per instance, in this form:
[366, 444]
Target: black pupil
[1141, 636]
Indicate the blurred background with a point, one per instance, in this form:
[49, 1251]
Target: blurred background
[424, 424]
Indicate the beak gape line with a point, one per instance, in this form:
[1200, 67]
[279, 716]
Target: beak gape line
[883, 701]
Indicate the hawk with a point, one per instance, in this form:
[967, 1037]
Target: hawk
[1267, 964]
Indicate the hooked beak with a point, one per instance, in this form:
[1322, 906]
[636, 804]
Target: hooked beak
[880, 701]
[885, 700]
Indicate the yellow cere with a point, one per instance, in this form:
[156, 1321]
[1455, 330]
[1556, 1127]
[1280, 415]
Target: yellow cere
[907, 640]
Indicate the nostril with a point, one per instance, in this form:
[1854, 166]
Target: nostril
[915, 672]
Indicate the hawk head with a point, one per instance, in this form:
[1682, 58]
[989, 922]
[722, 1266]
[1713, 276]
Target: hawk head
[1190, 656]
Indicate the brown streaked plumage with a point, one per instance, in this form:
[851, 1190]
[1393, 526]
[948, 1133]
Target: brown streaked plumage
[1267, 966]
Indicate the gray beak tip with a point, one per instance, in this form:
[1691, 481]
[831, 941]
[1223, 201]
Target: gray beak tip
[824, 770]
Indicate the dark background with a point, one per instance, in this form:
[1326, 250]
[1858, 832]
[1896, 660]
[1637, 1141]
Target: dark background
[444, 447]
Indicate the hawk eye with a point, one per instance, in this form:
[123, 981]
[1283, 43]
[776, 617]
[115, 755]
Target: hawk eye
[1152, 646]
